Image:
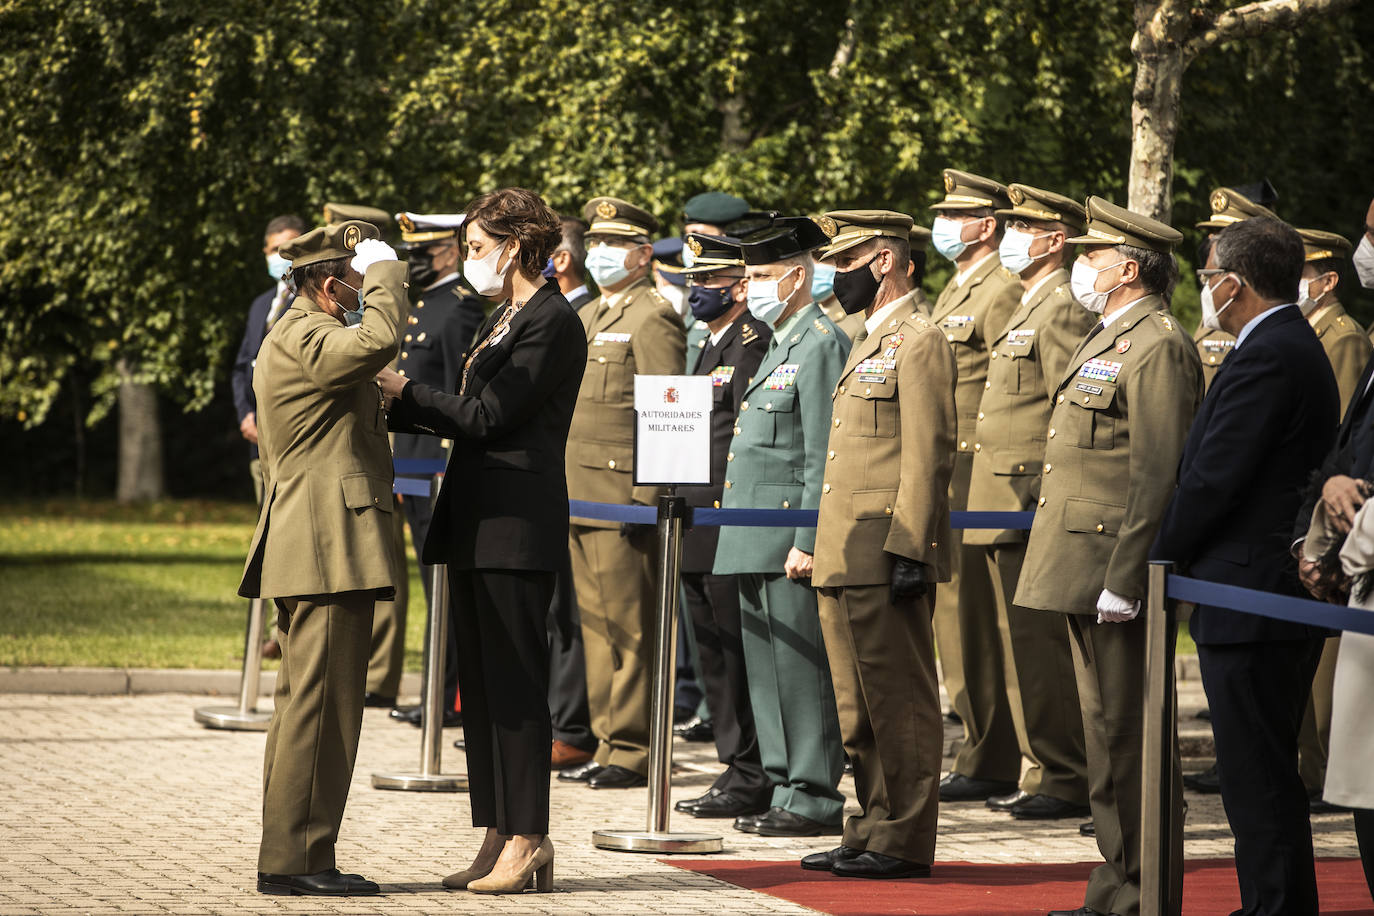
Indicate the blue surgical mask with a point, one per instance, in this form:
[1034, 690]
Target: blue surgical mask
[822, 281]
[277, 266]
[945, 235]
[548, 272]
[707, 303]
[607, 265]
[356, 315]
[1014, 250]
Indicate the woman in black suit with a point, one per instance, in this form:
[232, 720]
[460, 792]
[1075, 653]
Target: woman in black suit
[501, 524]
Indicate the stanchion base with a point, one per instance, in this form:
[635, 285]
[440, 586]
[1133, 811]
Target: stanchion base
[417, 782]
[230, 718]
[645, 841]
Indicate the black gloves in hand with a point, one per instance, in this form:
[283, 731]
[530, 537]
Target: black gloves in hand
[910, 579]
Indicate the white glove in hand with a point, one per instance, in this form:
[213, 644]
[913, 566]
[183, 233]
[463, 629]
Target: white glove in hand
[369, 252]
[1114, 608]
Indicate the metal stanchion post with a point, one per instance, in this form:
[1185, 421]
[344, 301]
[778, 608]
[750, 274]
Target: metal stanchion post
[244, 717]
[429, 779]
[672, 509]
[1158, 749]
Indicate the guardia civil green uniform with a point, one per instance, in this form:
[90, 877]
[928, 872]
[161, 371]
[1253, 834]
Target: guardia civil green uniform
[972, 310]
[1348, 348]
[777, 461]
[1122, 412]
[1027, 359]
[631, 331]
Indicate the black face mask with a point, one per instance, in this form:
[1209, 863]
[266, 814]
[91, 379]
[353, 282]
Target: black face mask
[708, 304]
[856, 288]
[421, 267]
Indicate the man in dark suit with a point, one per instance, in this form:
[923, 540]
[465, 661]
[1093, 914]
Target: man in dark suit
[734, 348]
[1267, 421]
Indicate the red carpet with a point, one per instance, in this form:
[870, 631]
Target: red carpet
[962, 889]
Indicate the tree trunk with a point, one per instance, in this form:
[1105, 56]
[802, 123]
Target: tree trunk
[140, 441]
[1158, 47]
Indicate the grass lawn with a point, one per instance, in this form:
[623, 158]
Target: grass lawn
[152, 586]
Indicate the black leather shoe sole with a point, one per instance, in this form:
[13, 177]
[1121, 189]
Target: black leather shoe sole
[1047, 808]
[617, 777]
[582, 773]
[1005, 802]
[824, 861]
[779, 822]
[749, 823]
[957, 787]
[874, 865]
[377, 701]
[1088, 829]
[311, 886]
[727, 805]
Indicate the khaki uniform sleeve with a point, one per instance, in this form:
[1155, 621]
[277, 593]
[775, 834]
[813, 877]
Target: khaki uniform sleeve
[1348, 354]
[660, 348]
[817, 374]
[336, 356]
[927, 374]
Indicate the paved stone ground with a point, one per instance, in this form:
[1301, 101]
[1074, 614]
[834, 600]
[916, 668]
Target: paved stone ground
[124, 805]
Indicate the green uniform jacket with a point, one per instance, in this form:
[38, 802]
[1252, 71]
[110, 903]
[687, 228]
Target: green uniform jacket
[325, 525]
[1212, 348]
[698, 332]
[891, 456]
[1345, 344]
[1121, 416]
[1026, 362]
[777, 456]
[632, 332]
[971, 316]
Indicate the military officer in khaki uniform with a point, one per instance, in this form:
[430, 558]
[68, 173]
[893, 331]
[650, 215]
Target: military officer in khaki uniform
[631, 330]
[972, 310]
[1348, 348]
[1228, 206]
[1122, 410]
[1028, 358]
[882, 542]
[322, 548]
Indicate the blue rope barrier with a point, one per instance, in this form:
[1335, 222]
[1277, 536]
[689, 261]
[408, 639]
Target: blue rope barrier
[426, 467]
[1268, 604]
[411, 486]
[772, 518]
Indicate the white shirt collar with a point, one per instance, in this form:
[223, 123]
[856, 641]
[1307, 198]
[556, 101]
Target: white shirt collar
[1250, 325]
[446, 278]
[962, 276]
[1108, 322]
[572, 294]
[875, 321]
[1030, 293]
[717, 335]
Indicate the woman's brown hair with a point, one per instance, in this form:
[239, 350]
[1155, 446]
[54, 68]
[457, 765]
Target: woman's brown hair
[520, 214]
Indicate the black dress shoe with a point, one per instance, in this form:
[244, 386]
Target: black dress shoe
[1081, 911]
[378, 701]
[848, 766]
[412, 715]
[616, 777]
[1046, 808]
[404, 713]
[687, 804]
[877, 865]
[957, 787]
[695, 730]
[728, 804]
[781, 822]
[748, 823]
[1088, 829]
[582, 773]
[681, 725]
[824, 861]
[321, 884]
[460, 743]
[1004, 802]
[1208, 782]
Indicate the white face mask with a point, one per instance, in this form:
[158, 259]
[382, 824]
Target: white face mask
[1305, 300]
[765, 298]
[1015, 250]
[483, 275]
[1364, 262]
[676, 296]
[1083, 283]
[1211, 313]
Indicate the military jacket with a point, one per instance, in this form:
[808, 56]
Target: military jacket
[1121, 415]
[698, 332]
[777, 451]
[631, 332]
[1212, 349]
[890, 456]
[1346, 345]
[1027, 360]
[971, 316]
[851, 325]
[437, 336]
[325, 525]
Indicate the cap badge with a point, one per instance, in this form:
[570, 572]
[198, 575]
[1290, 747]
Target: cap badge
[1123, 345]
[949, 182]
[406, 223]
[1219, 201]
[351, 237]
[694, 246]
[606, 210]
[827, 225]
[1017, 196]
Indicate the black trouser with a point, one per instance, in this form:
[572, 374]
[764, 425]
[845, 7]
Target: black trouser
[572, 723]
[1364, 835]
[713, 605]
[1258, 693]
[503, 671]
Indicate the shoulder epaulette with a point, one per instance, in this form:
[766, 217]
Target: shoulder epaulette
[820, 326]
[747, 334]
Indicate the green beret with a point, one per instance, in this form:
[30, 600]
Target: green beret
[847, 228]
[338, 213]
[1045, 206]
[327, 243]
[714, 208]
[1321, 246]
[1109, 224]
[967, 191]
[1230, 206]
[613, 216]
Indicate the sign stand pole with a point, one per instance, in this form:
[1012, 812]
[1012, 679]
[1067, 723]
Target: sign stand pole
[245, 717]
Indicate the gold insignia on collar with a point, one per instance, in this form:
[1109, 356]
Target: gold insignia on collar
[949, 183]
[827, 226]
[351, 237]
[694, 247]
[1017, 196]
[1168, 325]
[606, 210]
[1219, 201]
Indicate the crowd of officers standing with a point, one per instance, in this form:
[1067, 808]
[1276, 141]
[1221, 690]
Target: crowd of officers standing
[838, 386]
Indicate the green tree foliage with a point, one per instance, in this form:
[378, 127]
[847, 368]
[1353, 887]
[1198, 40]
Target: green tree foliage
[148, 141]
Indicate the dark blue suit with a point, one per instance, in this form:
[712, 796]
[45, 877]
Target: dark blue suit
[1267, 422]
[241, 376]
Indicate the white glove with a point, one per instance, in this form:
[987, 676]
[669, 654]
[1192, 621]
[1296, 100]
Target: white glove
[1114, 608]
[369, 252]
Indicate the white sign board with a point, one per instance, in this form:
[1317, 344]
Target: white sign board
[672, 430]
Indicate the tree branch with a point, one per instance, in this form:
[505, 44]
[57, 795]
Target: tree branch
[844, 51]
[1256, 18]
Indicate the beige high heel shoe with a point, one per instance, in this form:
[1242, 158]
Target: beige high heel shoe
[480, 867]
[539, 866]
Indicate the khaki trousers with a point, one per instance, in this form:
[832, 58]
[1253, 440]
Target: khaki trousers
[971, 654]
[312, 741]
[882, 660]
[387, 662]
[614, 583]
